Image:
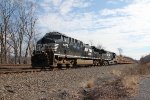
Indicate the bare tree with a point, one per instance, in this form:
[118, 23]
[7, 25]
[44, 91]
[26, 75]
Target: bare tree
[30, 32]
[21, 25]
[91, 42]
[1, 44]
[6, 11]
[99, 46]
[17, 25]
[120, 51]
[14, 42]
[26, 26]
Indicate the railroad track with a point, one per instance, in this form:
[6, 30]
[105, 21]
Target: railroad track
[26, 69]
[11, 69]
[21, 70]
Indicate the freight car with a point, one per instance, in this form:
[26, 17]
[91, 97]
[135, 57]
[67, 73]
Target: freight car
[58, 50]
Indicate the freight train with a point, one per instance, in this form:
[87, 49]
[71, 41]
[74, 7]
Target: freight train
[58, 50]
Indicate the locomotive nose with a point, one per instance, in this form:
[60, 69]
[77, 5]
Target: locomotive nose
[52, 41]
[55, 47]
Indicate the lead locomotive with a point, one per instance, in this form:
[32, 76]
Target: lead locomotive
[58, 50]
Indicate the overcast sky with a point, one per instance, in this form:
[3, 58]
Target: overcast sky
[112, 23]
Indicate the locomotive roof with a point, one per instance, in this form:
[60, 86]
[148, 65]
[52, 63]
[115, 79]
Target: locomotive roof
[98, 50]
[55, 33]
[109, 52]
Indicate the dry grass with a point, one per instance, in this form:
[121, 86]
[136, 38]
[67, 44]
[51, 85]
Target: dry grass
[88, 84]
[107, 90]
[145, 59]
[116, 72]
[121, 85]
[131, 77]
[131, 83]
[141, 69]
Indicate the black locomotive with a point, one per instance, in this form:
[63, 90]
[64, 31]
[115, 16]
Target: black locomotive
[58, 50]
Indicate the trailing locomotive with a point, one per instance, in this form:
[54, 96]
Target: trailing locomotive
[58, 50]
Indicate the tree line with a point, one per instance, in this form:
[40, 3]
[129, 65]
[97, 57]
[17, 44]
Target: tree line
[17, 31]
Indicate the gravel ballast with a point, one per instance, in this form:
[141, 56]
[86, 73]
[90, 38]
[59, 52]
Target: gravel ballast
[51, 85]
